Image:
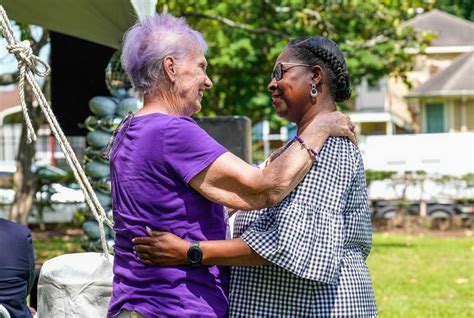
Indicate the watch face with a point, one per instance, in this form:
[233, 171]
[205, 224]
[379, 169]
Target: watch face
[194, 255]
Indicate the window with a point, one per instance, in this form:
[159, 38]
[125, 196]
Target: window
[435, 118]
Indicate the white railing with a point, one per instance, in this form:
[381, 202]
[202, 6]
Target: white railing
[10, 141]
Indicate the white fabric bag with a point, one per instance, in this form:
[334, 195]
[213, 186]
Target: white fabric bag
[4, 312]
[75, 285]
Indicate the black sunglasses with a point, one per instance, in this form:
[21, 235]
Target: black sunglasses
[278, 70]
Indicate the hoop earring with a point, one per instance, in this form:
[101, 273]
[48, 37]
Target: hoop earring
[314, 91]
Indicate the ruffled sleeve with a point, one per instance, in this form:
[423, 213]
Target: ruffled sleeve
[305, 240]
[304, 234]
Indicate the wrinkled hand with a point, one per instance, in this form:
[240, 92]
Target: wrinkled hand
[336, 124]
[161, 248]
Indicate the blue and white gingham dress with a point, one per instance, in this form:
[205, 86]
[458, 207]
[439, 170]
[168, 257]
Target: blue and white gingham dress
[318, 239]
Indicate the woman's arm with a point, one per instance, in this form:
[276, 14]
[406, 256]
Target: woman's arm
[167, 249]
[232, 182]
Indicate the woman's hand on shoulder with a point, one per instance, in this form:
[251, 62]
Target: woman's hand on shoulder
[335, 124]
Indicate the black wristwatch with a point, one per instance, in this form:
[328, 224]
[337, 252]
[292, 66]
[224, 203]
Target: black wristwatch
[194, 254]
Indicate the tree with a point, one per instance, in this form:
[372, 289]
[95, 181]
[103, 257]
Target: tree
[246, 36]
[461, 8]
[8, 79]
[25, 182]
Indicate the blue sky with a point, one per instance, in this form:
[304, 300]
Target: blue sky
[8, 62]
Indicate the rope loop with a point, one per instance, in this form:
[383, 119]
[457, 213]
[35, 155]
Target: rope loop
[27, 64]
[24, 55]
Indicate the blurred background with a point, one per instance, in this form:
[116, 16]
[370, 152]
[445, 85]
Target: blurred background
[412, 72]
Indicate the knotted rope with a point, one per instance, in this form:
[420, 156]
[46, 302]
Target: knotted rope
[28, 66]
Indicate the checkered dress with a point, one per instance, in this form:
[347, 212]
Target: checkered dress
[318, 239]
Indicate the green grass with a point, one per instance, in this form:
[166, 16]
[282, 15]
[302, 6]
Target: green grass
[414, 276]
[47, 248]
[423, 276]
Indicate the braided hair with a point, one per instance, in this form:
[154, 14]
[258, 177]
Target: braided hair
[322, 51]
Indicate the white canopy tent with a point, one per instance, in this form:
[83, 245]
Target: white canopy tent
[99, 21]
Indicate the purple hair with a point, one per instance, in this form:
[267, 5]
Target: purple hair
[148, 42]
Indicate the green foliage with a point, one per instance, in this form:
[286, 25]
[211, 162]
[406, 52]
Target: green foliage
[461, 8]
[443, 179]
[374, 175]
[15, 118]
[24, 29]
[52, 246]
[48, 175]
[79, 217]
[245, 37]
[421, 173]
[469, 179]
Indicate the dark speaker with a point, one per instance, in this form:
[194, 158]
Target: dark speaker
[233, 132]
[77, 75]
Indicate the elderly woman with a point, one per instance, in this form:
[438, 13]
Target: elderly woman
[168, 174]
[315, 242]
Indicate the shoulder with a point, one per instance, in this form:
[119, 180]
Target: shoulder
[335, 144]
[170, 130]
[181, 121]
[185, 132]
[13, 230]
[189, 149]
[182, 126]
[331, 174]
[158, 122]
[339, 150]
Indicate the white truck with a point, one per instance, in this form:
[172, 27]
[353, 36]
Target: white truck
[436, 170]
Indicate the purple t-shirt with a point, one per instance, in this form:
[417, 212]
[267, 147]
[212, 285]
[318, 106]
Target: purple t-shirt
[151, 165]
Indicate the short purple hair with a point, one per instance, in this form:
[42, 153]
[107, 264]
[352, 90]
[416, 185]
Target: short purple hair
[148, 42]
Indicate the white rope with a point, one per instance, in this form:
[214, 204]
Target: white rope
[27, 64]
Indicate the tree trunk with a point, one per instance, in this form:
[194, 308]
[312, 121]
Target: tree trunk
[24, 180]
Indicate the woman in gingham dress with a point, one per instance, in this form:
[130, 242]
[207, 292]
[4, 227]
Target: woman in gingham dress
[317, 239]
[312, 246]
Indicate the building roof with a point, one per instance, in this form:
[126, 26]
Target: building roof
[455, 80]
[451, 30]
[9, 99]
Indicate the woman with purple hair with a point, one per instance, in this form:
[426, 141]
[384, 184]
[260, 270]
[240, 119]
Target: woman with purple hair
[315, 242]
[169, 175]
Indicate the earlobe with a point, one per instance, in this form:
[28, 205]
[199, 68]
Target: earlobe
[314, 91]
[315, 81]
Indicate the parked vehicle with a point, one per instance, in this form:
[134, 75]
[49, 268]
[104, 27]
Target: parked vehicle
[432, 174]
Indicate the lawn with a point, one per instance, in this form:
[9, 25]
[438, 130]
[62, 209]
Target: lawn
[423, 276]
[414, 275]
[47, 247]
